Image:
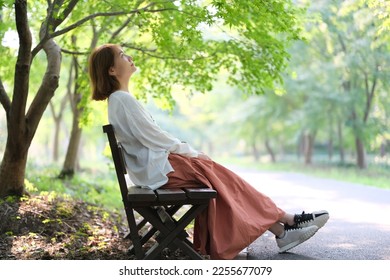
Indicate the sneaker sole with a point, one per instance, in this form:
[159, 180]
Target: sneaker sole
[302, 239]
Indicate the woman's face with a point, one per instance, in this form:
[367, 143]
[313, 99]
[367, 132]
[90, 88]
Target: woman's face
[123, 65]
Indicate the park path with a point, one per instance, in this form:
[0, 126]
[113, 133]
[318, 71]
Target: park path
[359, 224]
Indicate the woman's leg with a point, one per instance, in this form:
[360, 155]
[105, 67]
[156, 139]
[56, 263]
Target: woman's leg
[278, 228]
[287, 219]
[239, 207]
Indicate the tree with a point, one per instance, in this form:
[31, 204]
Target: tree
[21, 126]
[363, 68]
[252, 49]
[345, 71]
[77, 77]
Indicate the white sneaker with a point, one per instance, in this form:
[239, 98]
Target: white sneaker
[295, 237]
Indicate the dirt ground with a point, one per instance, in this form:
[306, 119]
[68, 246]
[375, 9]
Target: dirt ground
[52, 227]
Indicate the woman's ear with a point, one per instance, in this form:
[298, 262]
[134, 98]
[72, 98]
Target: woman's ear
[111, 71]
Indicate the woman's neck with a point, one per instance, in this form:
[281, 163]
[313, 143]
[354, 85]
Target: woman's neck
[124, 84]
[124, 89]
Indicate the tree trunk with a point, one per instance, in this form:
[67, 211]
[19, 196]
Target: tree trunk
[341, 141]
[12, 170]
[383, 149]
[300, 145]
[70, 162]
[71, 157]
[57, 117]
[361, 153]
[270, 151]
[56, 153]
[359, 143]
[330, 136]
[330, 148]
[309, 144]
[69, 167]
[13, 165]
[255, 151]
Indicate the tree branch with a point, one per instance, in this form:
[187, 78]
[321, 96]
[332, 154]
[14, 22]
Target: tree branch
[111, 14]
[90, 17]
[343, 46]
[52, 110]
[370, 94]
[73, 52]
[47, 88]
[51, 8]
[54, 9]
[150, 51]
[66, 12]
[125, 24]
[52, 23]
[4, 99]
[119, 30]
[22, 67]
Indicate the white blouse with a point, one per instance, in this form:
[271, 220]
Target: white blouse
[146, 146]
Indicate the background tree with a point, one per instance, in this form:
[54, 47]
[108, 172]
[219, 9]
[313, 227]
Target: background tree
[336, 87]
[360, 60]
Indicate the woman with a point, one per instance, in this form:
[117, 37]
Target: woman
[154, 159]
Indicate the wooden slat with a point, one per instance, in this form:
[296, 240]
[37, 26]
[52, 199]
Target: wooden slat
[170, 194]
[200, 193]
[108, 128]
[121, 158]
[137, 194]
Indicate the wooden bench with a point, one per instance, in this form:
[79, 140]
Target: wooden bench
[158, 209]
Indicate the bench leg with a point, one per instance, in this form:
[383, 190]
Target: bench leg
[170, 236]
[135, 238]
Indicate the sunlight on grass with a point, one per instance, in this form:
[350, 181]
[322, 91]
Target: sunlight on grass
[98, 187]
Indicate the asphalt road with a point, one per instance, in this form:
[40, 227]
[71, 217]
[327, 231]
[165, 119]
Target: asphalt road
[359, 224]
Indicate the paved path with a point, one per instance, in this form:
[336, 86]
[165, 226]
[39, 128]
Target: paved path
[359, 224]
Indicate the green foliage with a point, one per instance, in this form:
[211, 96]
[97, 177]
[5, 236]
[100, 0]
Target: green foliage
[381, 10]
[187, 43]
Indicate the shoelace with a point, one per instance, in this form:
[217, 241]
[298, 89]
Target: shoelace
[301, 218]
[298, 220]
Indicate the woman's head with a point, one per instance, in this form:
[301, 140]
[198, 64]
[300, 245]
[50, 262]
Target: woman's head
[109, 69]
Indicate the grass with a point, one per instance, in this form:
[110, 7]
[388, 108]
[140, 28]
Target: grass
[97, 187]
[376, 175]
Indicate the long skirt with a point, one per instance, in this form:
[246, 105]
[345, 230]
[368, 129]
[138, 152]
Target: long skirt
[237, 217]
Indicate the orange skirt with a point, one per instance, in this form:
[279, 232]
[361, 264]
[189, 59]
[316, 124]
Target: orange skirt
[236, 218]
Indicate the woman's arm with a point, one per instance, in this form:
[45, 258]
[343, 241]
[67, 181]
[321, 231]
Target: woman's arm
[133, 117]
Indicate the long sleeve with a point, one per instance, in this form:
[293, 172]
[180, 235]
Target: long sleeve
[138, 121]
[146, 145]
